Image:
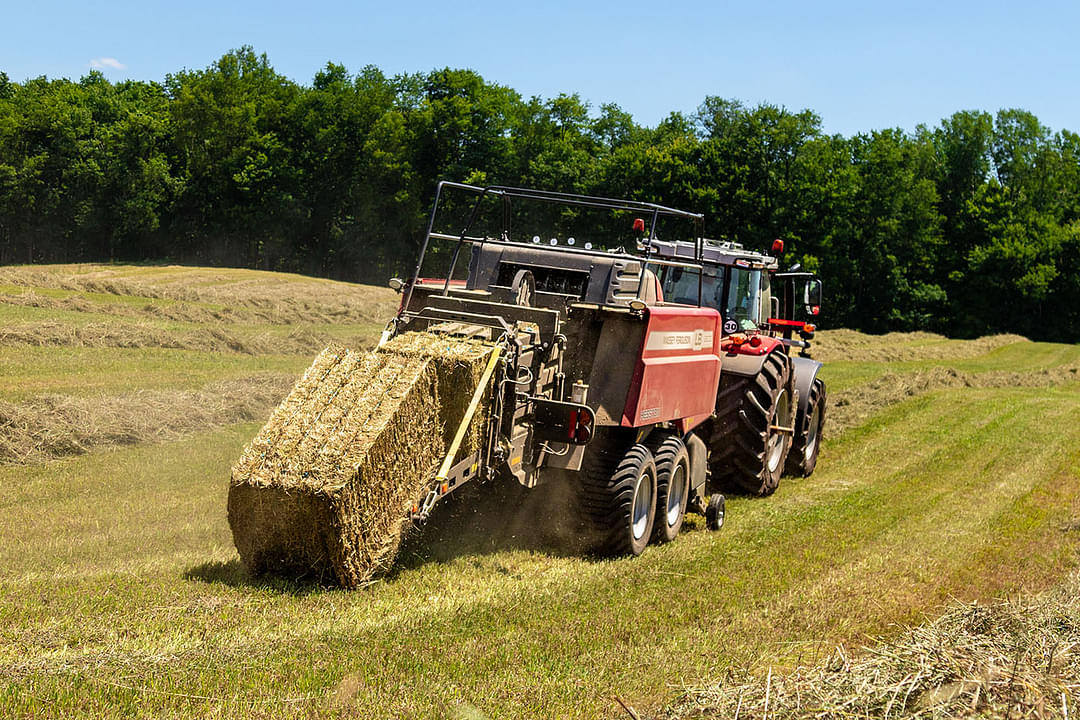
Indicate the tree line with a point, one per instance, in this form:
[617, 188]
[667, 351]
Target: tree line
[966, 228]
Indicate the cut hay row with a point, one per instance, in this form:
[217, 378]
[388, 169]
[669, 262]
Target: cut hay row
[852, 406]
[1016, 658]
[141, 335]
[839, 345]
[284, 313]
[53, 426]
[237, 295]
[325, 488]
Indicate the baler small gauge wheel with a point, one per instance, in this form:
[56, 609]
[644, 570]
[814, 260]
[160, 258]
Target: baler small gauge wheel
[714, 512]
[672, 488]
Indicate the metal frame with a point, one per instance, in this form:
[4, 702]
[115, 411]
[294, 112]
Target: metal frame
[508, 193]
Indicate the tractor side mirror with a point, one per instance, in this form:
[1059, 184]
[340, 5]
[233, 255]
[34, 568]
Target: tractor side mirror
[812, 296]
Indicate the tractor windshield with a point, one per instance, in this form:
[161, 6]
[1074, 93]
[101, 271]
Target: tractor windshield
[744, 298]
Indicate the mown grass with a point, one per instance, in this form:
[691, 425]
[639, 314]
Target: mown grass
[70, 334]
[121, 593]
[81, 371]
[1015, 357]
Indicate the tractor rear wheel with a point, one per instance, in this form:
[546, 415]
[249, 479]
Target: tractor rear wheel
[807, 443]
[751, 434]
[672, 488]
[619, 501]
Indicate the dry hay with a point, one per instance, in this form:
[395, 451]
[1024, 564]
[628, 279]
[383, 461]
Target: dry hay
[202, 294]
[53, 426]
[852, 406]
[1014, 658]
[837, 345]
[325, 488]
[50, 333]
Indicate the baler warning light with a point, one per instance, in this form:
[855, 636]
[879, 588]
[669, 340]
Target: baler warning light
[581, 426]
[562, 421]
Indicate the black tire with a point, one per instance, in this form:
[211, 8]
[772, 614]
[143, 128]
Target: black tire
[803, 457]
[672, 488]
[746, 452]
[714, 512]
[619, 503]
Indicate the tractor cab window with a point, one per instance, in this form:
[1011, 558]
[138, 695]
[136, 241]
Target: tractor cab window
[680, 285]
[744, 298]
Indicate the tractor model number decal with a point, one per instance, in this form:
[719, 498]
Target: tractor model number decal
[682, 340]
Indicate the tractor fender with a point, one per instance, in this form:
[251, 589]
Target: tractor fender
[744, 365]
[805, 371]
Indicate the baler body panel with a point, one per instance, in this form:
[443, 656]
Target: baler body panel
[615, 339]
[678, 369]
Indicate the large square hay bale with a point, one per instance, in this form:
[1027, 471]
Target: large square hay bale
[325, 488]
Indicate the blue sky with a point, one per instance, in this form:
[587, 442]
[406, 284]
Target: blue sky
[859, 65]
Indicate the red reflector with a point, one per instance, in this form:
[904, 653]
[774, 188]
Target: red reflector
[572, 429]
[815, 310]
[584, 427]
[755, 341]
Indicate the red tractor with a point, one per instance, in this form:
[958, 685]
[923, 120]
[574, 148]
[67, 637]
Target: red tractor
[771, 404]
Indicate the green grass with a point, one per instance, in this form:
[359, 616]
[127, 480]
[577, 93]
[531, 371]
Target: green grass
[121, 593]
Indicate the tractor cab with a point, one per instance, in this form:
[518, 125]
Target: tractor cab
[736, 282]
[747, 288]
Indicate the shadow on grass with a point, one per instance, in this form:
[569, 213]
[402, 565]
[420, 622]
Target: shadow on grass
[234, 574]
[478, 519]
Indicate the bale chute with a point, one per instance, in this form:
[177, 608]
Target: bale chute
[326, 488]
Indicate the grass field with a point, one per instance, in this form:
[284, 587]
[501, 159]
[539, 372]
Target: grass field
[951, 473]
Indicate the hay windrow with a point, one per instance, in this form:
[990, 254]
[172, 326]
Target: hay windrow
[853, 406]
[52, 426]
[842, 344]
[132, 335]
[325, 488]
[1013, 658]
[199, 294]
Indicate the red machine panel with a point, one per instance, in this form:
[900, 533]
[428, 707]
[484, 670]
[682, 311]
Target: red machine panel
[679, 369]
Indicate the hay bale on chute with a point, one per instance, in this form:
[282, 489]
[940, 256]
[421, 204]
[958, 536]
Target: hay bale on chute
[325, 488]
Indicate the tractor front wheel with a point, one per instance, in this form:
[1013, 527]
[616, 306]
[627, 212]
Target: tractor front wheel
[807, 443]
